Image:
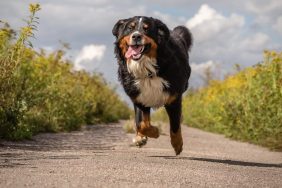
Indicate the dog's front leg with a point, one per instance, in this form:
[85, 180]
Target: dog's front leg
[144, 128]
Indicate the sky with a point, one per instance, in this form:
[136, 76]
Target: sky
[225, 32]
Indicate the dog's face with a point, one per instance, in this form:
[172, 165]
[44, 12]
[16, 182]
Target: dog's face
[139, 37]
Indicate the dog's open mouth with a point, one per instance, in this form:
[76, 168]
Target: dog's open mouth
[136, 51]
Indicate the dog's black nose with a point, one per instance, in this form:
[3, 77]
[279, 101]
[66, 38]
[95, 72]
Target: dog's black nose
[136, 37]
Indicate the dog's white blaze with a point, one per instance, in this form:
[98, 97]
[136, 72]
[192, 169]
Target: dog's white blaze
[139, 23]
[151, 87]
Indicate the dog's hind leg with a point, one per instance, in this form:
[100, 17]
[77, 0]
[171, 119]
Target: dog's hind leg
[144, 128]
[174, 113]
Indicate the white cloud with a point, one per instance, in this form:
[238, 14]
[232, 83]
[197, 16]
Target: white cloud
[88, 54]
[262, 7]
[254, 43]
[226, 39]
[200, 72]
[168, 19]
[205, 13]
[266, 12]
[202, 67]
[207, 23]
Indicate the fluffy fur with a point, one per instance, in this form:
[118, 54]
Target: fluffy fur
[143, 68]
[153, 70]
[151, 91]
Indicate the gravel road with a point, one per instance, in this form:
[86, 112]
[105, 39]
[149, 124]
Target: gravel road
[101, 156]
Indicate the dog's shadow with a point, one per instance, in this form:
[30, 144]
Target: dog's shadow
[222, 161]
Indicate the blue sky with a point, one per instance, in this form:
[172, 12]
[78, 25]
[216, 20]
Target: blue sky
[225, 32]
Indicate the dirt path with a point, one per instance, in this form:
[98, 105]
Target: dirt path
[100, 156]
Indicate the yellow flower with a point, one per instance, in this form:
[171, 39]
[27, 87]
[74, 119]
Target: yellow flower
[34, 7]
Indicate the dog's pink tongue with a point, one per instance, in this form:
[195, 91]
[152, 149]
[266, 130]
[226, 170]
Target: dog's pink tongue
[132, 50]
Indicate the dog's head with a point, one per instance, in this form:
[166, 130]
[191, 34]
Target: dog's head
[139, 37]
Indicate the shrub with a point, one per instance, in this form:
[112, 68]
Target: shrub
[40, 92]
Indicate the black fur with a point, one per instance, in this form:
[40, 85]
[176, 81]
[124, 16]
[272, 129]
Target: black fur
[172, 63]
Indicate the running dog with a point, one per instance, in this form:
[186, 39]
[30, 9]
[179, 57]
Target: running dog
[154, 71]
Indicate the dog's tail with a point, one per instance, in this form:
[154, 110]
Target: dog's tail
[183, 34]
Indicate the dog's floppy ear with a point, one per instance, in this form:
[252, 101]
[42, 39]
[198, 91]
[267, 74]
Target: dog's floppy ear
[163, 31]
[117, 28]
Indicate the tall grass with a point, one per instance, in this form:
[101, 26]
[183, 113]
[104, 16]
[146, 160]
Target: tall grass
[246, 106]
[40, 92]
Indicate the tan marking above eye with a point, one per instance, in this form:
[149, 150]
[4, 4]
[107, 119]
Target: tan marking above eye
[132, 24]
[145, 26]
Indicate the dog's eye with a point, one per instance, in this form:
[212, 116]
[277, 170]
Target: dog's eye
[129, 28]
[145, 28]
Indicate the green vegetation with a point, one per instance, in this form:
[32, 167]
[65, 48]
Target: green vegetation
[41, 92]
[246, 106]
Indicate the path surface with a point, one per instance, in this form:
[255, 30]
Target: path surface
[100, 156]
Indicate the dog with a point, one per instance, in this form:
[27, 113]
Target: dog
[153, 68]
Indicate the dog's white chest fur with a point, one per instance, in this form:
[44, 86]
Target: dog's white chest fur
[151, 91]
[151, 87]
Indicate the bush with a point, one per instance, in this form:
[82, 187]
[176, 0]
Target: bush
[40, 92]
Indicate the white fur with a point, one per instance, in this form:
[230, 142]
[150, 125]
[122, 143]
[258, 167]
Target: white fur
[139, 23]
[143, 67]
[151, 91]
[151, 87]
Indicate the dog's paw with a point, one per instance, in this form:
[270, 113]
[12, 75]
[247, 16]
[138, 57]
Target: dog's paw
[140, 141]
[176, 141]
[178, 148]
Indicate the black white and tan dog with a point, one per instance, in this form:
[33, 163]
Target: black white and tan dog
[154, 71]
